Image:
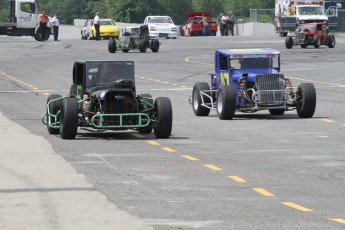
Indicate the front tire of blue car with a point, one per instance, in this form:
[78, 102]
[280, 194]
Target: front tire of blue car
[198, 109]
[305, 100]
[163, 117]
[69, 118]
[226, 102]
[54, 107]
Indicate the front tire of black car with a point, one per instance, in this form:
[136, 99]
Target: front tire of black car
[163, 116]
[226, 102]
[54, 107]
[306, 100]
[288, 42]
[69, 118]
[198, 109]
[112, 46]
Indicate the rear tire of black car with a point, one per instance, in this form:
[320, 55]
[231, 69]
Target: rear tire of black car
[288, 42]
[276, 112]
[316, 41]
[306, 100]
[69, 118]
[142, 46]
[163, 115]
[198, 109]
[54, 107]
[155, 45]
[147, 129]
[226, 102]
[331, 41]
[112, 46]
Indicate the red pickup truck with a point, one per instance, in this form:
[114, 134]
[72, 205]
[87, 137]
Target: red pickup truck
[194, 27]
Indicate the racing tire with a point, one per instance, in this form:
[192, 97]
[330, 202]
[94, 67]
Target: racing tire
[112, 46]
[163, 116]
[147, 129]
[316, 41]
[198, 109]
[38, 36]
[54, 107]
[304, 46]
[306, 100]
[276, 112]
[331, 41]
[226, 102]
[142, 46]
[69, 118]
[155, 45]
[288, 42]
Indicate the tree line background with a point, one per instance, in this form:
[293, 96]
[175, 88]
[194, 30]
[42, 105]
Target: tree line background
[134, 11]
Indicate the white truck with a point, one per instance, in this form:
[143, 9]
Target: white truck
[290, 13]
[23, 20]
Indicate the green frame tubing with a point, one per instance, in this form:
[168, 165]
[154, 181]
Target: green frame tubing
[141, 117]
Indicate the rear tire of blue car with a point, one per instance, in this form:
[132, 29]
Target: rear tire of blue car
[305, 100]
[69, 118]
[163, 117]
[112, 46]
[198, 109]
[226, 102]
[54, 107]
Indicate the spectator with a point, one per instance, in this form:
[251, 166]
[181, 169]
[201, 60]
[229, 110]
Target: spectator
[56, 24]
[231, 23]
[43, 25]
[205, 30]
[97, 24]
[223, 26]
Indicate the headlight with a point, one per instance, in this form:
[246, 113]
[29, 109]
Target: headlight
[302, 22]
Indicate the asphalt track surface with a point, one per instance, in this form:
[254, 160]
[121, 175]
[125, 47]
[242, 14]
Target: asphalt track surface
[256, 171]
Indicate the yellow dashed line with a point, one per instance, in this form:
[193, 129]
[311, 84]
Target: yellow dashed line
[152, 142]
[343, 125]
[149, 79]
[183, 86]
[263, 192]
[158, 80]
[213, 167]
[329, 120]
[137, 135]
[296, 206]
[339, 220]
[190, 158]
[237, 179]
[47, 94]
[170, 150]
[174, 84]
[142, 77]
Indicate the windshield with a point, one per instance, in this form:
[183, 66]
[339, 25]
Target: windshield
[268, 61]
[310, 10]
[160, 20]
[107, 23]
[105, 73]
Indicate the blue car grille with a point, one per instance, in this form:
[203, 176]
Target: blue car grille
[270, 89]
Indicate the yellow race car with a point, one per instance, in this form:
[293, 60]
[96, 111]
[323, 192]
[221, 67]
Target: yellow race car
[108, 29]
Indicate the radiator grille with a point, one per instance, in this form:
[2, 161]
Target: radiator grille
[119, 102]
[270, 89]
[300, 37]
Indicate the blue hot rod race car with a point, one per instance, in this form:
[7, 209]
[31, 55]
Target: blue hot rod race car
[249, 80]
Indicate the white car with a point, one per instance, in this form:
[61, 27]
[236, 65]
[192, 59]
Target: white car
[161, 27]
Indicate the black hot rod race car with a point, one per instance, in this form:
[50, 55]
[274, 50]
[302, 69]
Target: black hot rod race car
[103, 97]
